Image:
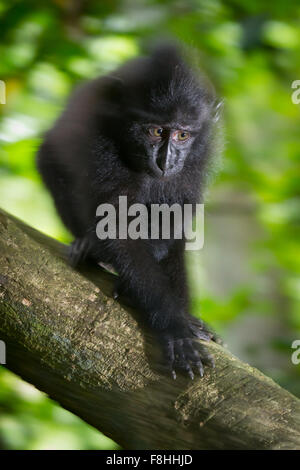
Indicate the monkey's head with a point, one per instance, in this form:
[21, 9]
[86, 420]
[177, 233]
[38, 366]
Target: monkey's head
[165, 113]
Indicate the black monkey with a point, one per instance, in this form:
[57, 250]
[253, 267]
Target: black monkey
[144, 132]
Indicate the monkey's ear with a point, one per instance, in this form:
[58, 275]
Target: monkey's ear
[217, 110]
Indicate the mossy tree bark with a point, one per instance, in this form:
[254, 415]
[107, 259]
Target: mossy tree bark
[66, 335]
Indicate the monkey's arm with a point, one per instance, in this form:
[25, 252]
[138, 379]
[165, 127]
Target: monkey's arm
[146, 283]
[174, 268]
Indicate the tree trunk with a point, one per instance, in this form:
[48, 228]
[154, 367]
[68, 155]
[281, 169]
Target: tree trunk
[65, 334]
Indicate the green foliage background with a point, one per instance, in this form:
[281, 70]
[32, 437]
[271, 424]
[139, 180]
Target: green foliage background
[251, 51]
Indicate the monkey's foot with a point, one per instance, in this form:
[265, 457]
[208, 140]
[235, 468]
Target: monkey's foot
[78, 251]
[185, 354]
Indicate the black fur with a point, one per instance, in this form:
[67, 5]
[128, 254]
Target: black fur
[100, 148]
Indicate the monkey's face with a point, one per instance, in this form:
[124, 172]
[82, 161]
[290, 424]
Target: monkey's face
[160, 148]
[166, 148]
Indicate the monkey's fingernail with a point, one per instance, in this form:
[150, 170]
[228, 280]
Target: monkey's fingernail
[201, 370]
[190, 372]
[115, 295]
[173, 374]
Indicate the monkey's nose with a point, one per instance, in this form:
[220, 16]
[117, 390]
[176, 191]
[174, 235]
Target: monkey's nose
[161, 163]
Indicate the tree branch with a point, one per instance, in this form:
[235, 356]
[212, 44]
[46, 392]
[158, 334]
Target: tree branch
[65, 335]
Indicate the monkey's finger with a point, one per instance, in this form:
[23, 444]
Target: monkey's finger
[217, 339]
[190, 371]
[73, 254]
[170, 353]
[213, 335]
[115, 294]
[191, 352]
[179, 353]
[189, 357]
[201, 334]
[170, 356]
[210, 361]
[205, 356]
[202, 331]
[78, 251]
[197, 330]
[117, 289]
[181, 359]
[200, 368]
[194, 357]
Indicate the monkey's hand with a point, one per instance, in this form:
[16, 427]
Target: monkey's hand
[183, 351]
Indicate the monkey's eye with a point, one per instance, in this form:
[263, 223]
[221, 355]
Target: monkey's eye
[156, 131]
[181, 135]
